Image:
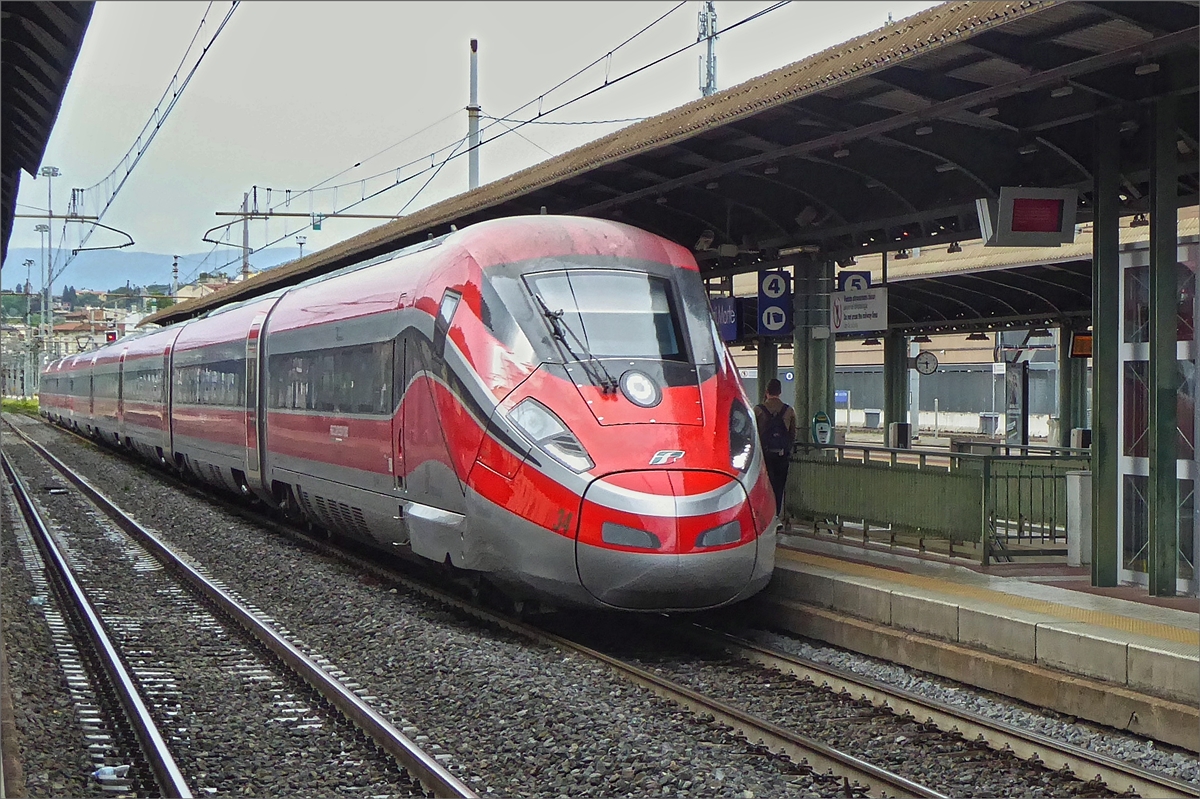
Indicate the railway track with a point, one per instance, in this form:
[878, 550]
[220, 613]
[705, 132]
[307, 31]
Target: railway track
[142, 694]
[1118, 776]
[856, 777]
[843, 772]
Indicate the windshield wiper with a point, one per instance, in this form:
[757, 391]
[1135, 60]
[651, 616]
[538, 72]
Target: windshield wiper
[591, 365]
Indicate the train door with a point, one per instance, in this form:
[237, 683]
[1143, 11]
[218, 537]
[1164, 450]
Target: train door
[120, 421]
[253, 451]
[92, 388]
[399, 383]
[164, 397]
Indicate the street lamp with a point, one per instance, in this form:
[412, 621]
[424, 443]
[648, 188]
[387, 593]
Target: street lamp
[300, 240]
[49, 173]
[43, 230]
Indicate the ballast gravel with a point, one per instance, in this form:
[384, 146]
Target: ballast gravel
[236, 721]
[1133, 749]
[514, 718]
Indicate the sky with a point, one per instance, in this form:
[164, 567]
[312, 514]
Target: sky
[361, 95]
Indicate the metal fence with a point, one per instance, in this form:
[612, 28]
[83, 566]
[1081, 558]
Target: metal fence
[1012, 504]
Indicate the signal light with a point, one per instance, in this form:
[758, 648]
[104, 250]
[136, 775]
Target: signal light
[110, 336]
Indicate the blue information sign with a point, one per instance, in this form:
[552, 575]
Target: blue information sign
[849, 280]
[725, 314]
[774, 304]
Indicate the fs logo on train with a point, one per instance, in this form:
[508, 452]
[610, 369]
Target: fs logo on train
[665, 456]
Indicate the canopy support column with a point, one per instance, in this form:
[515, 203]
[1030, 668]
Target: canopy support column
[1072, 388]
[895, 379]
[814, 344]
[1106, 354]
[1163, 494]
[768, 365]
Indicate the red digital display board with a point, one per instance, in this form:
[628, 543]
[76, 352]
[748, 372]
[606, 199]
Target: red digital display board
[1030, 215]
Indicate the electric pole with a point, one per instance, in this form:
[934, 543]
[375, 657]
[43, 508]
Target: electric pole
[245, 235]
[175, 278]
[473, 120]
[708, 62]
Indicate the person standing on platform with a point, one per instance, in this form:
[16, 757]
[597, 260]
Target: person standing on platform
[777, 432]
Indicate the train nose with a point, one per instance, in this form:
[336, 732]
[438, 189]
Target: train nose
[665, 539]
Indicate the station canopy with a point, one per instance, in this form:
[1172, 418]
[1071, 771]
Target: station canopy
[880, 143]
[39, 43]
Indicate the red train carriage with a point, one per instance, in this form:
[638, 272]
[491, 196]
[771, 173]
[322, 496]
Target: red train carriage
[541, 400]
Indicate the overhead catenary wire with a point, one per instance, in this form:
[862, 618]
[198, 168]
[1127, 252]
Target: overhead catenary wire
[157, 118]
[456, 153]
[607, 56]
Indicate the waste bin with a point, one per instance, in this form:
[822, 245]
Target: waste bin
[1079, 518]
[900, 435]
[873, 418]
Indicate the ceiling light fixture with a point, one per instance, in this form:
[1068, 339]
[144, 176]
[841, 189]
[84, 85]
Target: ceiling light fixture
[1146, 69]
[945, 168]
[954, 247]
[712, 184]
[841, 152]
[1062, 91]
[901, 255]
[977, 336]
[922, 339]
[1027, 149]
[924, 130]
[661, 201]
[1139, 220]
[771, 170]
[870, 342]
[988, 112]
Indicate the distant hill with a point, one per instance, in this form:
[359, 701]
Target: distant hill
[110, 269]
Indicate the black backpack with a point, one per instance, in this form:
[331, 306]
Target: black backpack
[776, 436]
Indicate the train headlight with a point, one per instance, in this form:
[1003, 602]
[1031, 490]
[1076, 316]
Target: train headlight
[640, 389]
[546, 430]
[741, 437]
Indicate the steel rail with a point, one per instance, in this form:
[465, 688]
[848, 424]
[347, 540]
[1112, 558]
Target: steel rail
[425, 768]
[1117, 775]
[800, 748]
[818, 756]
[154, 747]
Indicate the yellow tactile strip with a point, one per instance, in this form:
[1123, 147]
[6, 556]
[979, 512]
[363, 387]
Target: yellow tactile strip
[1166, 632]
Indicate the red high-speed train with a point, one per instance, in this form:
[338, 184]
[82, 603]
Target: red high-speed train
[543, 401]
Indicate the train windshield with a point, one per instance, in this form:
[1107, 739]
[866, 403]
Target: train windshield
[609, 313]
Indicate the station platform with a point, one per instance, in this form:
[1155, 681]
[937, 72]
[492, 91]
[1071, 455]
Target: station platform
[1035, 632]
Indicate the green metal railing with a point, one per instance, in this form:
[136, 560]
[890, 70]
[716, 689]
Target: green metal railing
[1012, 504]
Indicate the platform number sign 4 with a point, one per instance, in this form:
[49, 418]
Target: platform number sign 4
[774, 304]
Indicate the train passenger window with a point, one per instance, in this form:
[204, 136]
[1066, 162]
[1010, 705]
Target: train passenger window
[216, 383]
[344, 380]
[612, 313]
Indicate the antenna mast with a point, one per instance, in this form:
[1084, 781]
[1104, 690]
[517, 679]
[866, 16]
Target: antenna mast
[708, 62]
[473, 120]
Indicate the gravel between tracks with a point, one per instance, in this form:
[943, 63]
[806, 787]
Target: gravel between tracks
[237, 722]
[1141, 751]
[52, 748]
[517, 719]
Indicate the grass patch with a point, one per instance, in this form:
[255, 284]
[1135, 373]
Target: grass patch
[25, 406]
